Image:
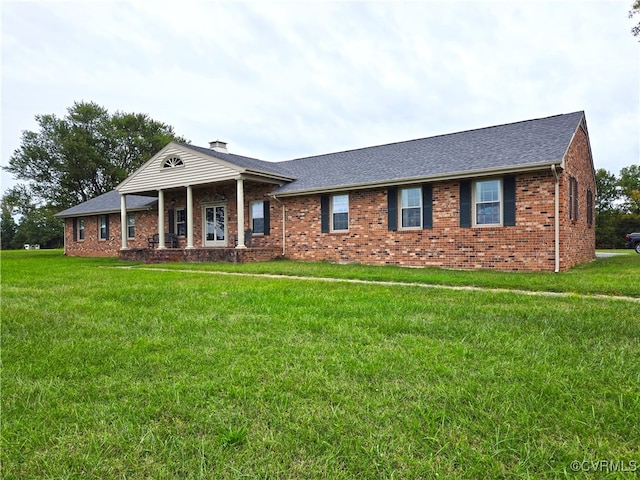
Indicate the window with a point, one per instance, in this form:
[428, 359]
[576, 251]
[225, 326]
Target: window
[340, 212]
[181, 221]
[131, 225]
[257, 217]
[589, 207]
[173, 162]
[573, 198]
[81, 229]
[411, 207]
[487, 202]
[103, 229]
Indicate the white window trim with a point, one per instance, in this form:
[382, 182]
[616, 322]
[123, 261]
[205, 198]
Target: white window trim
[129, 225]
[331, 212]
[81, 230]
[500, 202]
[179, 223]
[400, 208]
[106, 227]
[251, 204]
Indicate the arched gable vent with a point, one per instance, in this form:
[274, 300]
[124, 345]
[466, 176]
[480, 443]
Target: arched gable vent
[172, 162]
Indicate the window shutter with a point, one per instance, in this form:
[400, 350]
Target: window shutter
[267, 217]
[427, 205]
[106, 220]
[575, 199]
[571, 197]
[172, 221]
[392, 208]
[509, 201]
[324, 213]
[465, 203]
[75, 229]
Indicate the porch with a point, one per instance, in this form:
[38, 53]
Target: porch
[216, 254]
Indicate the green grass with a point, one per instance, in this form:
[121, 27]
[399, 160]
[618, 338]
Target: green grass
[609, 276]
[132, 373]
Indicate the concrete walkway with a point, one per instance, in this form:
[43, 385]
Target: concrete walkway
[405, 284]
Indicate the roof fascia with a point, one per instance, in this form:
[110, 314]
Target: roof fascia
[427, 179]
[240, 169]
[105, 212]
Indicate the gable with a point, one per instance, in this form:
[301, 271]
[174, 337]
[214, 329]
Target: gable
[177, 166]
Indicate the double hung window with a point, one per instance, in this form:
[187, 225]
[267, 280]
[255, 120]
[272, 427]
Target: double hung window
[411, 207]
[340, 212]
[131, 225]
[103, 231]
[488, 202]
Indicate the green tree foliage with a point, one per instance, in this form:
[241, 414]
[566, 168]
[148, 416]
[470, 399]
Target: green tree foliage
[630, 188]
[607, 187]
[85, 154]
[40, 227]
[8, 230]
[37, 224]
[70, 160]
[617, 206]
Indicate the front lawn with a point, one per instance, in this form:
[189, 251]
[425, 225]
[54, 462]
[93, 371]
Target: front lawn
[618, 275]
[135, 373]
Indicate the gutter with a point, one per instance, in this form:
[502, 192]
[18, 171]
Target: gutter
[284, 230]
[425, 179]
[556, 217]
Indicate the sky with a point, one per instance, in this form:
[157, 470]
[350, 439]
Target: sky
[284, 80]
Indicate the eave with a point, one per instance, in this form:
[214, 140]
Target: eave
[512, 169]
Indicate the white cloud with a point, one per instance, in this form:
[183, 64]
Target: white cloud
[282, 80]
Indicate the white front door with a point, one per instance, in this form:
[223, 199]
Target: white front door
[215, 226]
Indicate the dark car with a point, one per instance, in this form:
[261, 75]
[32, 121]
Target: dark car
[633, 241]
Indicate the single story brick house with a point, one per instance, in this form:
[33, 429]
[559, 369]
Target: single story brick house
[518, 196]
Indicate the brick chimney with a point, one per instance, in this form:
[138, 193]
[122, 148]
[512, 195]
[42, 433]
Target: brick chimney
[218, 146]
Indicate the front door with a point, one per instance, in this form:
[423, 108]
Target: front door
[215, 226]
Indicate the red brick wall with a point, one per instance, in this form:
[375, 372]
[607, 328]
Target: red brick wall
[527, 246]
[92, 246]
[577, 237]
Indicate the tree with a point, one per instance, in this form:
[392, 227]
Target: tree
[635, 9]
[607, 188]
[40, 227]
[36, 224]
[630, 188]
[86, 153]
[8, 230]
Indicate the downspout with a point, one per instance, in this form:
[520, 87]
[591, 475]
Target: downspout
[284, 230]
[557, 217]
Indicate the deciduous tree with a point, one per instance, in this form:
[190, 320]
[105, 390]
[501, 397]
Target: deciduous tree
[88, 152]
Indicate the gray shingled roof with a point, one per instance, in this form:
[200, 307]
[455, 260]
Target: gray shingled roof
[253, 164]
[526, 144]
[108, 203]
[522, 144]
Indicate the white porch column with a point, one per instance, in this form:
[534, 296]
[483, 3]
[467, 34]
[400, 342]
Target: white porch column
[161, 244]
[123, 222]
[190, 217]
[240, 208]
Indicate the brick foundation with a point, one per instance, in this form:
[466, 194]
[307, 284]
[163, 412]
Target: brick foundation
[232, 255]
